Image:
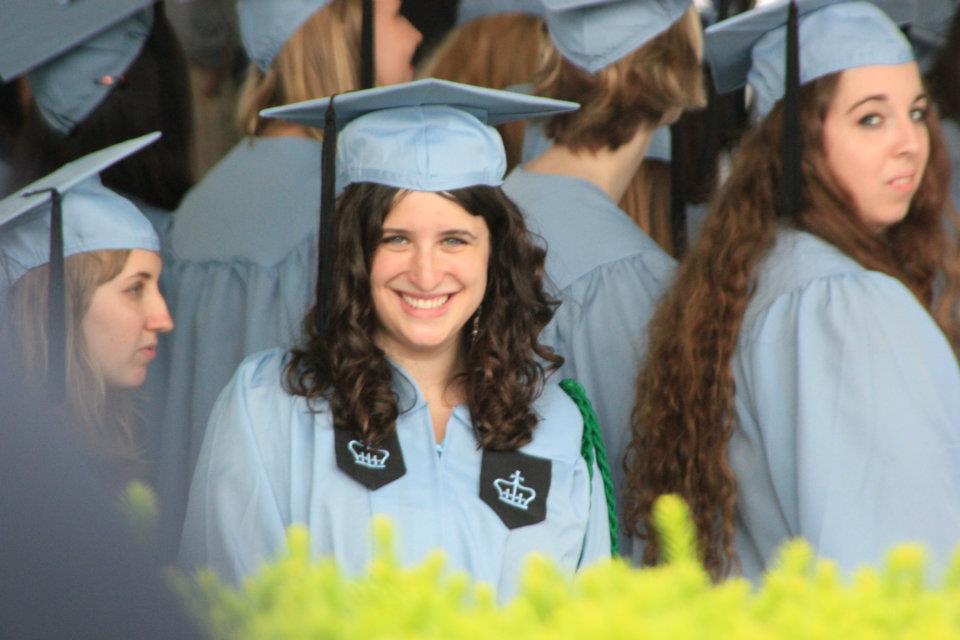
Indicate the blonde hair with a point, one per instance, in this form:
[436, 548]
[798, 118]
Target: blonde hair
[321, 58]
[107, 416]
[473, 53]
[642, 87]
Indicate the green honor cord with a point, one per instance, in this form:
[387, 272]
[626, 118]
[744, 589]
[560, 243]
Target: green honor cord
[592, 449]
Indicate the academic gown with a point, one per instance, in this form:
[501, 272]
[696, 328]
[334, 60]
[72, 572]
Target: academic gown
[847, 413]
[269, 462]
[608, 275]
[239, 275]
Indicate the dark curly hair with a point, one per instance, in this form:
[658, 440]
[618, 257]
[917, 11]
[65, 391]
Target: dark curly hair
[505, 366]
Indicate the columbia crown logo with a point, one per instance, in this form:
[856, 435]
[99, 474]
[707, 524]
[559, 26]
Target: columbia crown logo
[369, 457]
[513, 493]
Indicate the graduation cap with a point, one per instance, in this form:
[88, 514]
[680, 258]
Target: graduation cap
[468, 10]
[62, 214]
[266, 25]
[592, 34]
[74, 52]
[426, 135]
[782, 45]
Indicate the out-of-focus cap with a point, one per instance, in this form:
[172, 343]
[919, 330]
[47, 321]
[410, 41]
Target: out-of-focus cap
[469, 10]
[94, 218]
[750, 47]
[266, 25]
[69, 87]
[592, 34]
[33, 32]
[426, 135]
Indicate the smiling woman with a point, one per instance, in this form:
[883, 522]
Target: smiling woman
[419, 389]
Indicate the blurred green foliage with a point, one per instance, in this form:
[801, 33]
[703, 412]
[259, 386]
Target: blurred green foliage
[800, 597]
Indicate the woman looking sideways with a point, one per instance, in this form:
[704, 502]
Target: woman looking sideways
[418, 392]
[802, 378]
[114, 309]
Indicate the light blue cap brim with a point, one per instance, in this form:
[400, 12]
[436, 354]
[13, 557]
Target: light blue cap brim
[67, 89]
[593, 35]
[266, 25]
[426, 135]
[33, 32]
[750, 48]
[94, 218]
[472, 9]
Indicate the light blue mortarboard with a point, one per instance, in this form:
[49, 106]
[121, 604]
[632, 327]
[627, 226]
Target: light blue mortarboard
[469, 10]
[266, 25]
[33, 32]
[94, 218]
[592, 34]
[62, 214]
[833, 36]
[74, 51]
[426, 135]
[68, 88]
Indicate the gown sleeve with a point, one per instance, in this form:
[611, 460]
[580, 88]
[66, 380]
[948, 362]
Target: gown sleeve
[854, 394]
[600, 329]
[234, 518]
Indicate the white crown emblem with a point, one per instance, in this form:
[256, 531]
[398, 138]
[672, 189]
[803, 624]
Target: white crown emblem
[369, 457]
[513, 493]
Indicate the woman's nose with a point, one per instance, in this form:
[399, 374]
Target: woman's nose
[158, 316]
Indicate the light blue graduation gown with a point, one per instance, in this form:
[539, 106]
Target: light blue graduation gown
[847, 413]
[608, 275]
[239, 275]
[269, 462]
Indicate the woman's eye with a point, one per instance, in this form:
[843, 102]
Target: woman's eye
[918, 114]
[870, 120]
[453, 241]
[395, 240]
[136, 289]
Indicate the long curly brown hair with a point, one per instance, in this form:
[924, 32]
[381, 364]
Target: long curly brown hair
[684, 416]
[505, 365]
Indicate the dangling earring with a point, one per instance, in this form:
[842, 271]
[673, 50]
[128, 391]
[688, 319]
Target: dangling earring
[475, 326]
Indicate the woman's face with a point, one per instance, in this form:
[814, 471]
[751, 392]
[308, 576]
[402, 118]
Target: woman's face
[428, 275]
[876, 140]
[395, 42]
[120, 328]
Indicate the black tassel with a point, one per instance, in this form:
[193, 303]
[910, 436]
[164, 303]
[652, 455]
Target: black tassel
[367, 77]
[327, 243]
[56, 302]
[792, 138]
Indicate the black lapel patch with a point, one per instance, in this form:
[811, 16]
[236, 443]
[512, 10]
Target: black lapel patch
[515, 485]
[372, 467]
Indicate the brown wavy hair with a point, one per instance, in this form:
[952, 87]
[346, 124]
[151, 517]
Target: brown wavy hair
[504, 373]
[642, 87]
[107, 417]
[684, 416]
